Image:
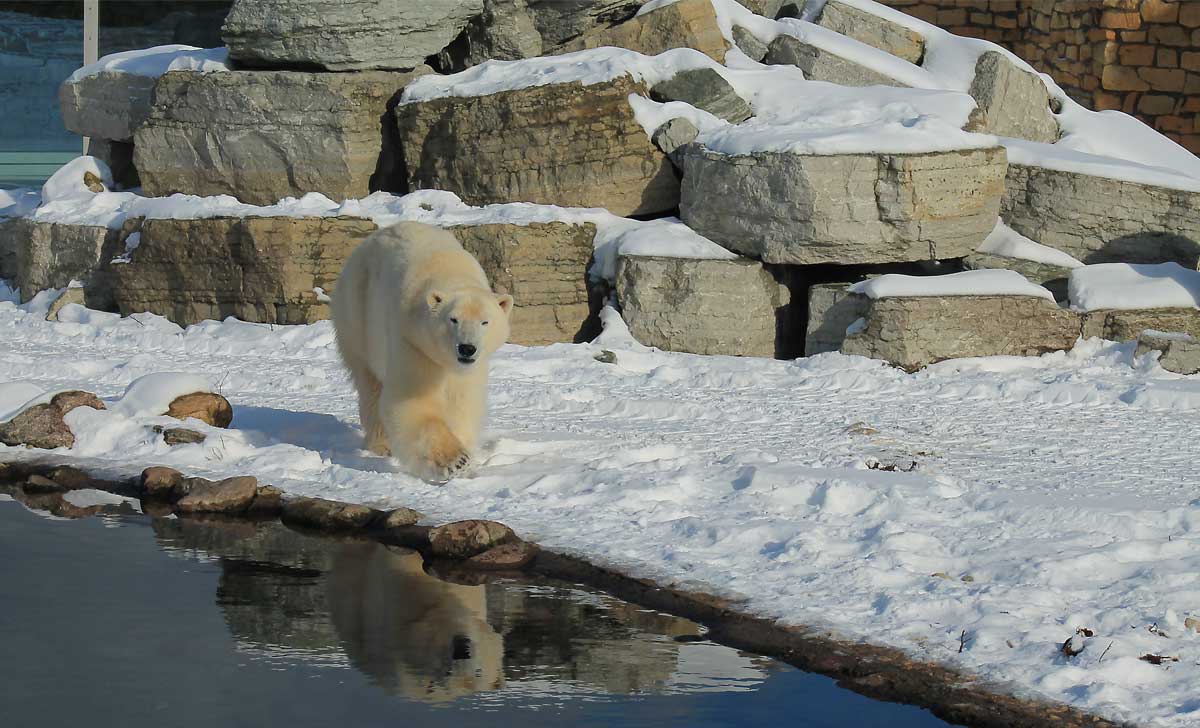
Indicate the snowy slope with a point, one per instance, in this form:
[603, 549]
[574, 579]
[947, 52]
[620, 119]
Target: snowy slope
[1062, 487]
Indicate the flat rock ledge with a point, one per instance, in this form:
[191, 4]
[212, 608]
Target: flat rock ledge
[845, 209]
[880, 672]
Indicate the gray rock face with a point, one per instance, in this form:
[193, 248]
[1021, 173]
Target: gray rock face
[707, 90]
[820, 65]
[106, 105]
[790, 208]
[505, 31]
[343, 35]
[873, 30]
[1098, 220]
[11, 230]
[265, 135]
[1179, 353]
[51, 255]
[259, 269]
[560, 144]
[684, 24]
[1014, 102]
[558, 21]
[119, 158]
[674, 135]
[544, 266]
[831, 311]
[912, 333]
[726, 307]
[749, 44]
[1052, 277]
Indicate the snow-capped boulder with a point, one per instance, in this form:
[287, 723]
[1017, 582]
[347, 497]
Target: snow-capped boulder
[209, 407]
[544, 267]
[41, 425]
[832, 309]
[343, 35]
[854, 208]
[683, 24]
[106, 105]
[819, 64]
[1052, 277]
[262, 136]
[705, 89]
[559, 144]
[1014, 101]
[731, 307]
[1179, 353]
[873, 30]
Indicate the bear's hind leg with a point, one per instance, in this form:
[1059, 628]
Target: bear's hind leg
[369, 391]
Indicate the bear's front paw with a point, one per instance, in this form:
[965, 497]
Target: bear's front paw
[449, 461]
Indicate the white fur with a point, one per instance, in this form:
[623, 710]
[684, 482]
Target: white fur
[407, 302]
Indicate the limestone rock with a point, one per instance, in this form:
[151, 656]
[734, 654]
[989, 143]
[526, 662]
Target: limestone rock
[558, 21]
[506, 30]
[701, 306]
[229, 496]
[544, 267]
[1014, 102]
[832, 309]
[208, 407]
[1052, 277]
[790, 208]
[1099, 220]
[914, 332]
[343, 35]
[766, 8]
[11, 230]
[705, 89]
[107, 105]
[71, 295]
[51, 255]
[265, 135]
[579, 146]
[873, 30]
[42, 425]
[683, 24]
[821, 65]
[161, 483]
[674, 135]
[749, 44]
[464, 539]
[259, 269]
[328, 515]
[1128, 325]
[1179, 353]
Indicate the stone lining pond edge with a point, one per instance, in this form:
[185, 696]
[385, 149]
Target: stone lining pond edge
[878, 672]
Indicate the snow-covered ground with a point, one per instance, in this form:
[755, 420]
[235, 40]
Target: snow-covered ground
[1048, 494]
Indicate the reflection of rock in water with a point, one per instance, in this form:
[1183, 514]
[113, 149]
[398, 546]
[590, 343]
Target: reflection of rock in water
[415, 635]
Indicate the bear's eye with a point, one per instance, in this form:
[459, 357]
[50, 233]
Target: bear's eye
[453, 320]
[485, 323]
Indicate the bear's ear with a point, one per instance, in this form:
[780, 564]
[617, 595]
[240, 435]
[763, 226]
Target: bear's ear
[506, 303]
[435, 300]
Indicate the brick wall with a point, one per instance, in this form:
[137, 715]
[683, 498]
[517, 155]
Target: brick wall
[1139, 56]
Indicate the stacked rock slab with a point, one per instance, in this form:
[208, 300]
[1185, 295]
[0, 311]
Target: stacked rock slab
[544, 267]
[51, 254]
[893, 38]
[807, 209]
[832, 309]
[260, 269]
[1128, 325]
[1179, 353]
[725, 307]
[821, 65]
[106, 105]
[1014, 102]
[560, 144]
[1051, 277]
[1100, 220]
[343, 35]
[913, 332]
[683, 24]
[265, 135]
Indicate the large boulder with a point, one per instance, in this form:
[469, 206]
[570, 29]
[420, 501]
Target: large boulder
[229, 497]
[732, 307]
[913, 332]
[1129, 324]
[1102, 220]
[832, 309]
[863, 208]
[43, 425]
[343, 35]
[1179, 353]
[260, 269]
[1014, 102]
[107, 105]
[683, 24]
[506, 30]
[873, 30]
[265, 135]
[52, 254]
[544, 266]
[822, 65]
[560, 144]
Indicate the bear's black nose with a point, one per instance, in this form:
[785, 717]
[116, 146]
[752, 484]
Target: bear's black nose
[466, 351]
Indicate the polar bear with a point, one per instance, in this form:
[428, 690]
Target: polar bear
[416, 323]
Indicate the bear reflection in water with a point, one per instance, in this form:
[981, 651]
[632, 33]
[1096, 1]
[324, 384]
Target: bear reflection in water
[288, 595]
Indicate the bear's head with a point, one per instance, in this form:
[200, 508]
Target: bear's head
[469, 325]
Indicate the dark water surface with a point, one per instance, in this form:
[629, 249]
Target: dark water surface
[125, 620]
